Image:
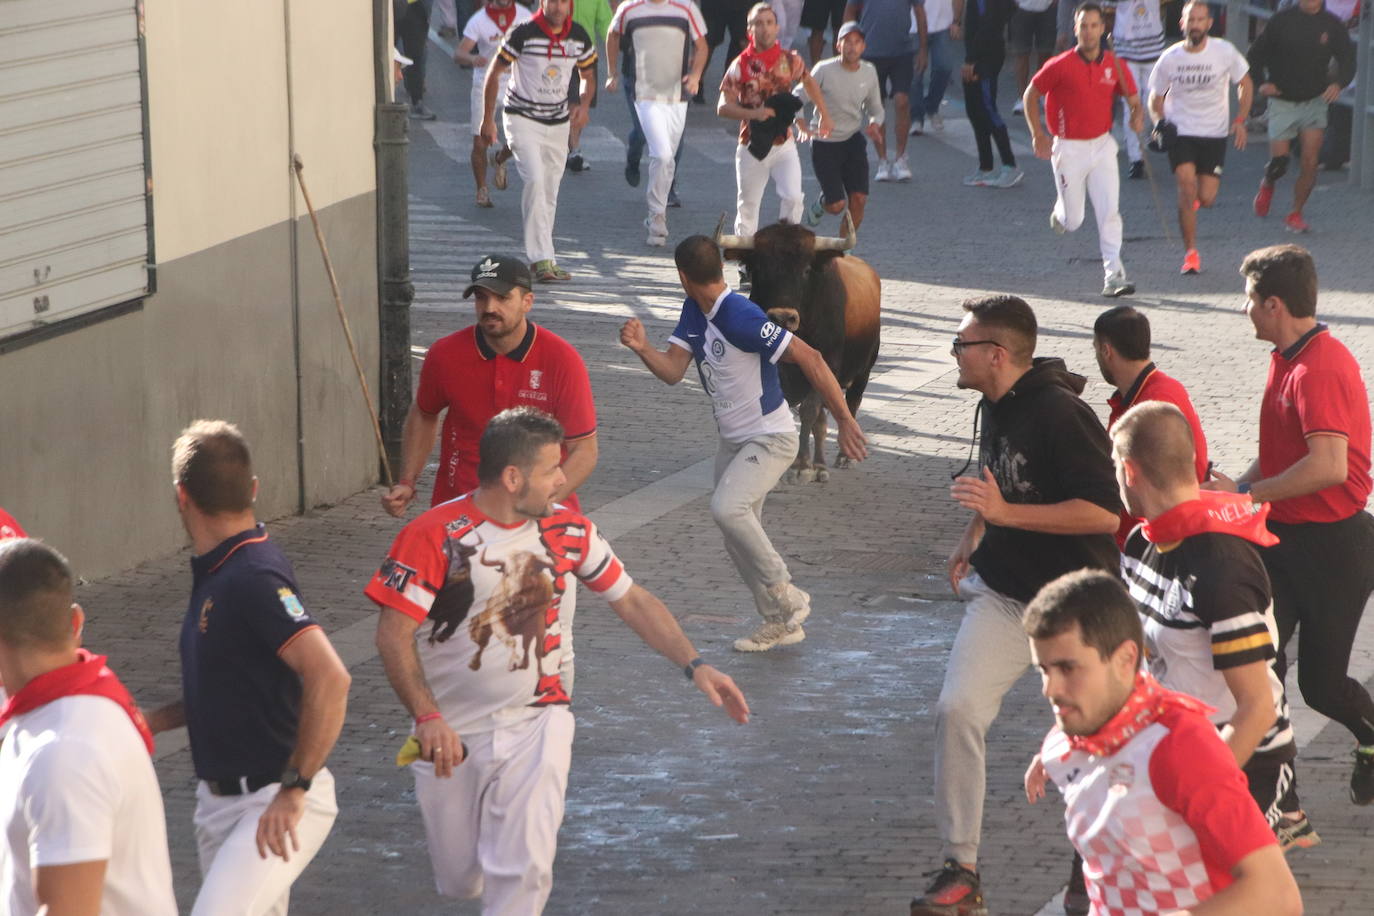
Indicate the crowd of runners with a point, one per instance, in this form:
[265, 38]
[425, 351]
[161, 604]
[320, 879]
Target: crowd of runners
[1156, 595]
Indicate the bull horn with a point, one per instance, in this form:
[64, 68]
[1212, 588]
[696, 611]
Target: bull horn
[851, 236]
[738, 242]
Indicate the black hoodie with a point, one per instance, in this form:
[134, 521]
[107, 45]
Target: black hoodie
[1045, 445]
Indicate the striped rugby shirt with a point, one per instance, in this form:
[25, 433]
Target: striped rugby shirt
[1206, 606]
[1138, 30]
[541, 69]
[499, 601]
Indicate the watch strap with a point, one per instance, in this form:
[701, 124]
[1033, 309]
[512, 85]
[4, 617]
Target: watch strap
[690, 669]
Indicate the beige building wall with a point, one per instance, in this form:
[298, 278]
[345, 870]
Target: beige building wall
[88, 417]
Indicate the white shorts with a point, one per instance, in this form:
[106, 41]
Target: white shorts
[476, 102]
[492, 827]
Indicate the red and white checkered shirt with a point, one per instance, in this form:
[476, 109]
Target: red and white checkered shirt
[1161, 822]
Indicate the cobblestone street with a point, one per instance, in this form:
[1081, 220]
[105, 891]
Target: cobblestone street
[822, 804]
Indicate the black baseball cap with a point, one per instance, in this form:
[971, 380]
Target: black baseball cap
[500, 274]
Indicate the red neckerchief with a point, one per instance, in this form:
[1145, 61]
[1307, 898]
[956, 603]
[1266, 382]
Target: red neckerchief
[9, 528]
[1147, 702]
[502, 17]
[752, 60]
[87, 676]
[1213, 510]
[554, 37]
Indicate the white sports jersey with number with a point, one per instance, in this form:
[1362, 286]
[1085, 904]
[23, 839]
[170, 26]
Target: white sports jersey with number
[499, 601]
[1198, 86]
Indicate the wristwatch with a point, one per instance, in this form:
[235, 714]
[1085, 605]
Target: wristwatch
[291, 778]
[1244, 487]
[690, 669]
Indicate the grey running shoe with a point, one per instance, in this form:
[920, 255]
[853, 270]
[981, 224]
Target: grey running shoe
[419, 112]
[813, 214]
[1116, 286]
[1008, 176]
[1296, 830]
[980, 179]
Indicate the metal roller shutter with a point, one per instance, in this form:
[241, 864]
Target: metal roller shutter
[75, 214]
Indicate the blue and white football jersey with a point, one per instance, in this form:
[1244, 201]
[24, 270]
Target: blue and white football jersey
[736, 349]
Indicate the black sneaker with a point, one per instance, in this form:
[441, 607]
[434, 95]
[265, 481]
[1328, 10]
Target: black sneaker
[1137, 169]
[955, 891]
[576, 163]
[1076, 900]
[673, 199]
[632, 172]
[1362, 777]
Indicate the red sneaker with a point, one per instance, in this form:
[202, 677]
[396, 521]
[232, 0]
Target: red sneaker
[956, 891]
[1296, 223]
[1262, 199]
[1192, 262]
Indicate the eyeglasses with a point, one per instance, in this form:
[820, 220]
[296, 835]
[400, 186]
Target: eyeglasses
[960, 345]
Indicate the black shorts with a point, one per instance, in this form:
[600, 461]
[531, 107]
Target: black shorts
[1028, 30]
[894, 74]
[1207, 154]
[841, 167]
[816, 14]
[575, 89]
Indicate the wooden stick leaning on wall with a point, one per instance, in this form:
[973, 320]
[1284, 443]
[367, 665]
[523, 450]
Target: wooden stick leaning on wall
[299, 166]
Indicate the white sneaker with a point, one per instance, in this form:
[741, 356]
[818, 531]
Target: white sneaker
[658, 231]
[884, 171]
[768, 636]
[900, 170]
[937, 121]
[1116, 285]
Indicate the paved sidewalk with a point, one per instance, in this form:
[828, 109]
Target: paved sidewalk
[822, 804]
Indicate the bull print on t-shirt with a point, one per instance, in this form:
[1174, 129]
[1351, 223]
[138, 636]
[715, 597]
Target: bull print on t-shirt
[454, 600]
[516, 612]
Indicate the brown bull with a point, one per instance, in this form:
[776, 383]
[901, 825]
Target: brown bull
[831, 300]
[515, 612]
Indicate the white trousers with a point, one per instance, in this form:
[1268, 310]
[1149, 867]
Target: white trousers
[662, 123]
[477, 102]
[235, 880]
[1140, 69]
[1088, 168]
[492, 827]
[788, 14]
[541, 154]
[783, 165]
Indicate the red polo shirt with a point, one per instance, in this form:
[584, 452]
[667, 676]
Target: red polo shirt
[1315, 388]
[1079, 93]
[1153, 385]
[475, 383]
[9, 528]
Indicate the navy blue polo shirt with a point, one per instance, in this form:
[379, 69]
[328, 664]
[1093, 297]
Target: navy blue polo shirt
[242, 701]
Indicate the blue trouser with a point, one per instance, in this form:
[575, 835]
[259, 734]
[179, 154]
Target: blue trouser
[941, 55]
[634, 145]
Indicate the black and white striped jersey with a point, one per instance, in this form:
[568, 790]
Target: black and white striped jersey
[1206, 606]
[542, 68]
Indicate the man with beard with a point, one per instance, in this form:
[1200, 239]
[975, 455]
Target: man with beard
[1154, 800]
[505, 360]
[1190, 89]
[492, 799]
[1044, 502]
[763, 75]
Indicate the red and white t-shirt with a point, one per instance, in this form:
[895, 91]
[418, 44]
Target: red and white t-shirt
[758, 75]
[1315, 388]
[1161, 822]
[499, 602]
[1079, 93]
[462, 374]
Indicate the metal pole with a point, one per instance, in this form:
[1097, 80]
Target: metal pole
[393, 239]
[1361, 128]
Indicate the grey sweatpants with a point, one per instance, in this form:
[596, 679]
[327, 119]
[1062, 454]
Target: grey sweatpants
[990, 653]
[745, 472]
